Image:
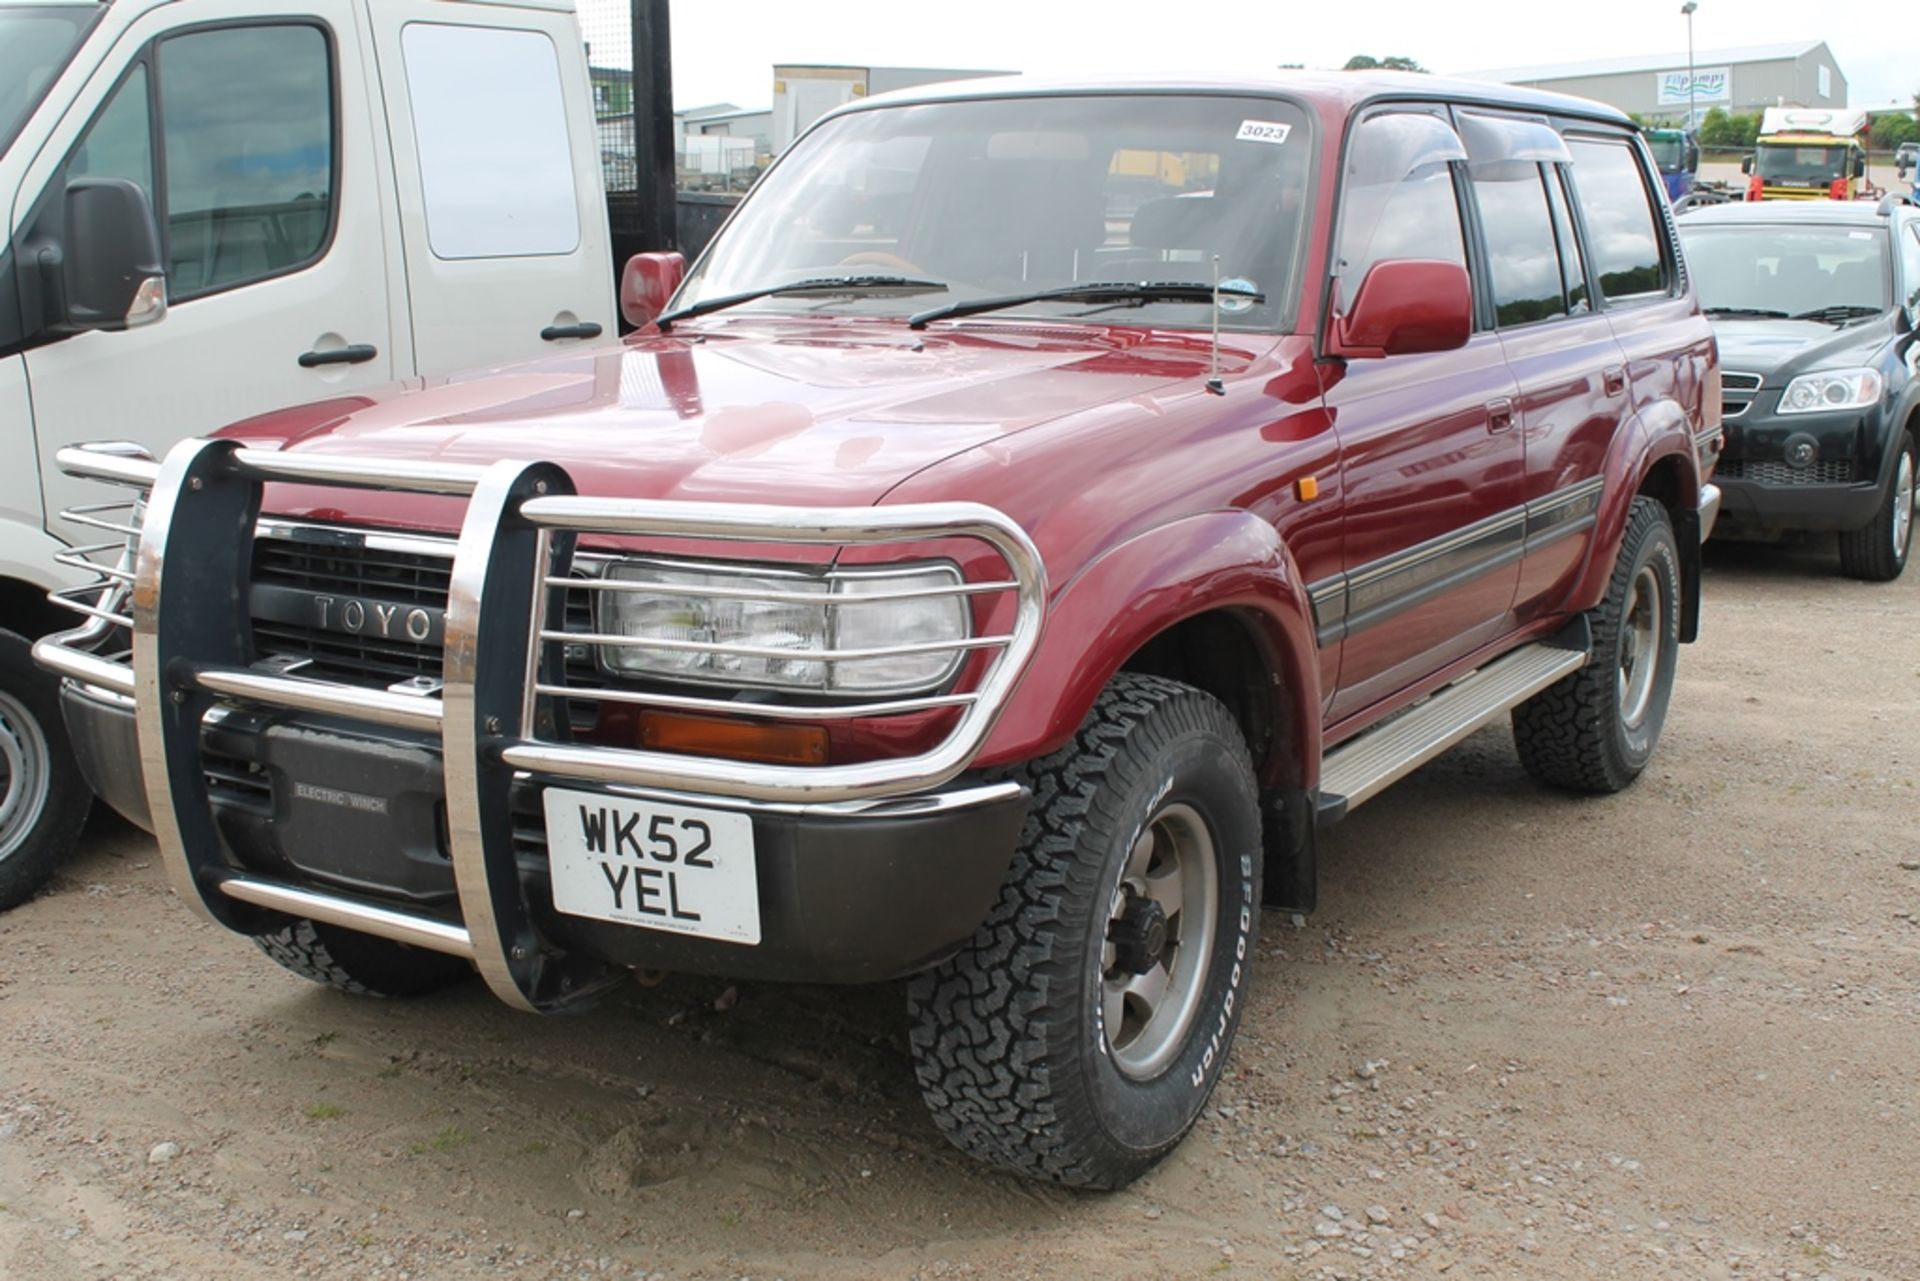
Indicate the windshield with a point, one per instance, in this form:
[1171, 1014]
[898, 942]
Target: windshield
[35, 44]
[1809, 166]
[1787, 269]
[1669, 153]
[1010, 196]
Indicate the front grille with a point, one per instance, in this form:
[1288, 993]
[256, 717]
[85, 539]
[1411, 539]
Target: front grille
[1737, 392]
[1838, 471]
[345, 570]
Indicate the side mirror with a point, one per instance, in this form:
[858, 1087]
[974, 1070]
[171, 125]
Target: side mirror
[646, 284]
[1746, 164]
[113, 274]
[1405, 306]
[1859, 166]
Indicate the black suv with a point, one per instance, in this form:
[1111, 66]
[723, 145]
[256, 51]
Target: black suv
[1815, 304]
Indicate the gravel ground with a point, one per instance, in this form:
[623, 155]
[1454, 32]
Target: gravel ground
[1674, 1033]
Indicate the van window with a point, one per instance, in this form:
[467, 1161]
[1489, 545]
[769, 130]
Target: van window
[1522, 258]
[490, 126]
[1612, 194]
[247, 133]
[1910, 266]
[1400, 200]
[119, 142]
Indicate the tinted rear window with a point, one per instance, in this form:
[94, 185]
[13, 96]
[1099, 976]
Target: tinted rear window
[1618, 210]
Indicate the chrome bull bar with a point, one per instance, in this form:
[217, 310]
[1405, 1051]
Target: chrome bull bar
[192, 652]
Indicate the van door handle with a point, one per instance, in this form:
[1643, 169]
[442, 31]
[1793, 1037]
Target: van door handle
[1500, 414]
[352, 354]
[1615, 379]
[585, 329]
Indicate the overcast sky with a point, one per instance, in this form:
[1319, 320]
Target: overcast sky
[724, 50]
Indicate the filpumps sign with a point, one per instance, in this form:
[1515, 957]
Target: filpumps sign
[1709, 84]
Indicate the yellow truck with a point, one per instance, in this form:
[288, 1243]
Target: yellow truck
[1808, 153]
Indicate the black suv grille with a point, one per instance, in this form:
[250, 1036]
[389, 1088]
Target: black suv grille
[1838, 471]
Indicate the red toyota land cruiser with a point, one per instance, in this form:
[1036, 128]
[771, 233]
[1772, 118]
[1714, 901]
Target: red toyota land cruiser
[1001, 593]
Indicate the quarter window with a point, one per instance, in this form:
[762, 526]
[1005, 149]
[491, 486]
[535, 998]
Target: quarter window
[490, 125]
[119, 142]
[1400, 200]
[1572, 264]
[1523, 259]
[1612, 194]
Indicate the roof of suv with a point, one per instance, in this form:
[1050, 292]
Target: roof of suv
[1347, 89]
[1856, 213]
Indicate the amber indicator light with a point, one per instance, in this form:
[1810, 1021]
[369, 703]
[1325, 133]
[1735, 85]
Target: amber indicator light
[734, 740]
[1308, 488]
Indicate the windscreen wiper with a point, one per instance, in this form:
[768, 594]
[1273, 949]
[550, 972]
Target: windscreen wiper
[1839, 313]
[1138, 292]
[1762, 312]
[822, 286]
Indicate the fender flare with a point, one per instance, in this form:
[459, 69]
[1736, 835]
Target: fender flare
[1657, 432]
[1215, 561]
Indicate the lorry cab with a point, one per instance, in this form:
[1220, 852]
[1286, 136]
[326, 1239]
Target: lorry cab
[1808, 154]
[212, 208]
[1677, 155]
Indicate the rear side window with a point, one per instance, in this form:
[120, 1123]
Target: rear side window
[1400, 200]
[1572, 264]
[1618, 210]
[490, 125]
[1523, 259]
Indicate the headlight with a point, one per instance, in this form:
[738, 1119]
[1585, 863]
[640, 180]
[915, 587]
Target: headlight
[1832, 389]
[726, 627]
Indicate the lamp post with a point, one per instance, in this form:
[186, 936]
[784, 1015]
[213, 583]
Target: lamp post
[1687, 9]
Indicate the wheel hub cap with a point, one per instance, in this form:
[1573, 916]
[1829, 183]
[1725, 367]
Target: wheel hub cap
[1139, 935]
[1159, 942]
[24, 766]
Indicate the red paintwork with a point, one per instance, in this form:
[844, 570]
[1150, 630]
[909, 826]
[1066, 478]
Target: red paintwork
[1151, 500]
[1406, 308]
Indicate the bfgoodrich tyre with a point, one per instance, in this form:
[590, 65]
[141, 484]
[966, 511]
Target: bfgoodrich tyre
[1078, 1035]
[349, 961]
[1594, 731]
[43, 802]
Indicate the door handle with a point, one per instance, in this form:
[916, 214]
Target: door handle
[585, 329]
[352, 354]
[1500, 414]
[1615, 379]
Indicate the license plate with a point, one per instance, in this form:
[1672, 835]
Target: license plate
[658, 866]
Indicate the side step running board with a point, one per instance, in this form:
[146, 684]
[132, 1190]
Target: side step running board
[1357, 770]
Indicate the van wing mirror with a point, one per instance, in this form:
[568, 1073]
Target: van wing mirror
[647, 282]
[112, 272]
[1405, 306]
[1746, 164]
[1860, 165]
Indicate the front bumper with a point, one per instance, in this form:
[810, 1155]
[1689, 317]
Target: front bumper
[850, 893]
[1753, 507]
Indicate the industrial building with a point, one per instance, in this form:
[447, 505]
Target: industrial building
[1655, 86]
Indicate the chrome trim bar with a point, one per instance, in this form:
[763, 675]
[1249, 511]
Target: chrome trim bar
[400, 711]
[772, 597]
[777, 711]
[110, 463]
[401, 927]
[62, 654]
[360, 473]
[771, 651]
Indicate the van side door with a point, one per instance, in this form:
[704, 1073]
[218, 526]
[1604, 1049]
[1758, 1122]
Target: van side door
[248, 126]
[504, 222]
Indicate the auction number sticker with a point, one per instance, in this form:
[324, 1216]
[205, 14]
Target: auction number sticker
[1263, 131]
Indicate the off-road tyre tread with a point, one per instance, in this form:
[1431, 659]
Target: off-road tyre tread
[1564, 733]
[1867, 553]
[69, 800]
[976, 1034]
[359, 967]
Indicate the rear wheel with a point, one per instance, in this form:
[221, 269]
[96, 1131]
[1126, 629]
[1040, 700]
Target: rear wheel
[1078, 1035]
[1879, 552]
[350, 961]
[43, 802]
[1595, 730]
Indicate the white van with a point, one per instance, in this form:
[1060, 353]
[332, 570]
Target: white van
[216, 208]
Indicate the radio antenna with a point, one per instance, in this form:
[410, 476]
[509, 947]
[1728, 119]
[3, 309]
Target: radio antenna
[1214, 383]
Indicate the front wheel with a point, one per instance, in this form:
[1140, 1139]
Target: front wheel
[1594, 731]
[1878, 552]
[1079, 1033]
[43, 802]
